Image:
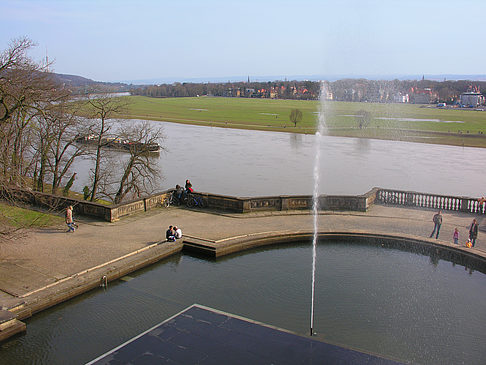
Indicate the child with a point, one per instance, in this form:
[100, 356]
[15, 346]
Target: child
[456, 236]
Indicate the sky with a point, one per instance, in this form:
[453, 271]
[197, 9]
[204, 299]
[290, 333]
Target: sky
[113, 40]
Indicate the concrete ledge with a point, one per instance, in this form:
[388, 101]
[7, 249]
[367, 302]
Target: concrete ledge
[9, 325]
[14, 328]
[82, 282]
[17, 307]
[469, 257]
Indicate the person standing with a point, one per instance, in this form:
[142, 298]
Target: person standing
[69, 219]
[473, 232]
[456, 236]
[437, 223]
[178, 193]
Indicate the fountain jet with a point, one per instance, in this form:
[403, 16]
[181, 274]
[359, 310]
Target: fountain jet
[320, 131]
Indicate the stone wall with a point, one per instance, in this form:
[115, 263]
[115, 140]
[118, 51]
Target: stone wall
[112, 213]
[108, 213]
[223, 202]
[285, 202]
[359, 203]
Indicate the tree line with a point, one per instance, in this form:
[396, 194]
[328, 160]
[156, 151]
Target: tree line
[40, 126]
[355, 90]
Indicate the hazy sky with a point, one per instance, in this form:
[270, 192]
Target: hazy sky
[110, 40]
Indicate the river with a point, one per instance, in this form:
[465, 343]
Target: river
[258, 163]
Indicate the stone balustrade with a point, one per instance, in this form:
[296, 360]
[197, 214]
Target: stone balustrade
[360, 203]
[433, 201]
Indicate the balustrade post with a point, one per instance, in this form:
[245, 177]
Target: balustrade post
[284, 203]
[409, 199]
[246, 206]
[464, 205]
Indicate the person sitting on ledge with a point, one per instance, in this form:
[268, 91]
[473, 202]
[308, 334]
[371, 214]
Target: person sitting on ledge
[178, 193]
[177, 232]
[188, 189]
[170, 234]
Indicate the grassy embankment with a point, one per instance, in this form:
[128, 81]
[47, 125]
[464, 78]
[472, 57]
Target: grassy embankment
[15, 217]
[463, 127]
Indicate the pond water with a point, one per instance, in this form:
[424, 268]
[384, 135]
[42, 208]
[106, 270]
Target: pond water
[258, 163]
[412, 307]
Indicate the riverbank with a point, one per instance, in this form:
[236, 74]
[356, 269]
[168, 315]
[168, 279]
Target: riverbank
[47, 266]
[401, 122]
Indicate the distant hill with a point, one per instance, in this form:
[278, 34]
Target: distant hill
[73, 80]
[83, 85]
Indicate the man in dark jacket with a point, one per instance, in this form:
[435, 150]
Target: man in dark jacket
[437, 223]
[473, 232]
[170, 234]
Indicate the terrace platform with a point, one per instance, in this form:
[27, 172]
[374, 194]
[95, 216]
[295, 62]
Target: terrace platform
[43, 267]
[201, 335]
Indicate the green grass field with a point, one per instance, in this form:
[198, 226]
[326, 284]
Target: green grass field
[16, 217]
[461, 127]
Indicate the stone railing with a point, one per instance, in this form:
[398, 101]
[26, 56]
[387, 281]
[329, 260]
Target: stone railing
[360, 203]
[433, 201]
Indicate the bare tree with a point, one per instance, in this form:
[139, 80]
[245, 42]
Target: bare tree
[66, 127]
[295, 116]
[140, 170]
[23, 82]
[102, 110]
[26, 89]
[363, 119]
[15, 138]
[27, 92]
[11, 60]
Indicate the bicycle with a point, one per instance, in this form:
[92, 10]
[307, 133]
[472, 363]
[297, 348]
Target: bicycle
[195, 201]
[171, 199]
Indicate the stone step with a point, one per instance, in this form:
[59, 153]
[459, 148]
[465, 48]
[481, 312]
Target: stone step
[9, 324]
[17, 307]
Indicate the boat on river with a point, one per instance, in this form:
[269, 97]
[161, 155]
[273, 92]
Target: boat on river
[119, 143]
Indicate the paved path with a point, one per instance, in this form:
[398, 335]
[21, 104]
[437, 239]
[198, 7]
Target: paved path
[43, 257]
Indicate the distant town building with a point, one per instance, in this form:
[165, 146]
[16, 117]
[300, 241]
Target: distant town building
[400, 98]
[472, 97]
[328, 95]
[423, 96]
[249, 92]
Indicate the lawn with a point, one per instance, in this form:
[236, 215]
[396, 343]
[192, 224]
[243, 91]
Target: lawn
[240, 112]
[16, 217]
[388, 121]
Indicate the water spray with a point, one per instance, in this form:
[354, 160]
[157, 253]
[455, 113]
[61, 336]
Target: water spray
[315, 196]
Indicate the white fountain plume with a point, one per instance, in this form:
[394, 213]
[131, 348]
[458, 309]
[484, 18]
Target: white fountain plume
[320, 131]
